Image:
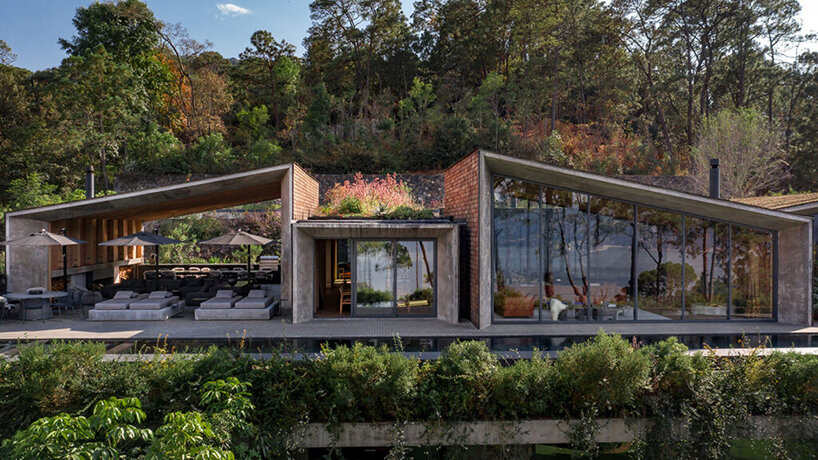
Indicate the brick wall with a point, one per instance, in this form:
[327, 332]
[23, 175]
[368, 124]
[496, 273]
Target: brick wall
[305, 194]
[461, 201]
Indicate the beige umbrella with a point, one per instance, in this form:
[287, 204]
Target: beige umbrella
[239, 238]
[46, 238]
[142, 239]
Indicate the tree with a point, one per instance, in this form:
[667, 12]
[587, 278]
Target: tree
[750, 153]
[278, 67]
[6, 56]
[412, 109]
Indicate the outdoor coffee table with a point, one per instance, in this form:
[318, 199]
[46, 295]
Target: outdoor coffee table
[35, 306]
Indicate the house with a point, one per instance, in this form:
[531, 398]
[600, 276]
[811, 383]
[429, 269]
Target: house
[518, 241]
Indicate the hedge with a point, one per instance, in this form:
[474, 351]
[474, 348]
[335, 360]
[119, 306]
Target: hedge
[605, 377]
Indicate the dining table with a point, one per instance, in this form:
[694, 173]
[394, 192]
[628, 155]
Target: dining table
[34, 306]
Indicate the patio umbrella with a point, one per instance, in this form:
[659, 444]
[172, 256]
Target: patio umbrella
[142, 239]
[46, 238]
[239, 238]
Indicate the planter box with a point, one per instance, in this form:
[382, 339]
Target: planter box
[518, 307]
[496, 433]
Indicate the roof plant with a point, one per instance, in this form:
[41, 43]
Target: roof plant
[385, 198]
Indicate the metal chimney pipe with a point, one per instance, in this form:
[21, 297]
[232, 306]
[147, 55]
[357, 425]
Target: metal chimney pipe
[715, 179]
[89, 182]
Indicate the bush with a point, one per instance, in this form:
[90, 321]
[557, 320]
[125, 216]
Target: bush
[604, 374]
[524, 390]
[367, 295]
[458, 386]
[379, 198]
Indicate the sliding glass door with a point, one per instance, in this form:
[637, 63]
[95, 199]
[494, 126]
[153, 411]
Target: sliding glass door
[394, 278]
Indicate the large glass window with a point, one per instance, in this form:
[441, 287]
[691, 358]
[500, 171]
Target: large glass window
[516, 249]
[374, 281]
[708, 253]
[415, 265]
[659, 265]
[567, 256]
[612, 261]
[751, 273]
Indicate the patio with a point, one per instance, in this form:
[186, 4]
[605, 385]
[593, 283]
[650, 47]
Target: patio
[184, 327]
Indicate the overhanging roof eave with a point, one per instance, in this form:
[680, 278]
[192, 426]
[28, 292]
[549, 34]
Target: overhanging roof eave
[270, 175]
[620, 189]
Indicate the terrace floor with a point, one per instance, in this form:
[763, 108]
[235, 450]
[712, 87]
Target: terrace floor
[186, 328]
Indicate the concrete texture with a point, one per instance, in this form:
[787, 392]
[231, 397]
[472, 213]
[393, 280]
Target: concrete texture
[161, 314]
[485, 241]
[444, 233]
[523, 432]
[26, 266]
[234, 314]
[795, 275]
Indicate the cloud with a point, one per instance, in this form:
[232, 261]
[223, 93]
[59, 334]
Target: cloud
[231, 10]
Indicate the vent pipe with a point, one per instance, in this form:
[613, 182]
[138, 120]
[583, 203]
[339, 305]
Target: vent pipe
[89, 182]
[715, 180]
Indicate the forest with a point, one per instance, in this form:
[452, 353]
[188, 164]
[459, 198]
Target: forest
[615, 87]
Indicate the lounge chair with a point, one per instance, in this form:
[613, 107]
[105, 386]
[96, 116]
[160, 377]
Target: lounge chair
[256, 298]
[156, 300]
[225, 298]
[121, 301]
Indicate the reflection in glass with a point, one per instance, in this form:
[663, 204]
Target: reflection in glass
[374, 278]
[565, 257]
[752, 273]
[415, 263]
[707, 252]
[659, 265]
[612, 238]
[516, 231]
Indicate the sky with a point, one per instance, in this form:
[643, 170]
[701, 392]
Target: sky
[32, 27]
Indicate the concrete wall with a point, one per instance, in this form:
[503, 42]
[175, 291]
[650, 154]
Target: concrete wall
[299, 200]
[26, 266]
[795, 275]
[445, 234]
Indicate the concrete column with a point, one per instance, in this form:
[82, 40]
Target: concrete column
[795, 275]
[484, 242]
[26, 266]
[286, 260]
[303, 300]
[448, 276]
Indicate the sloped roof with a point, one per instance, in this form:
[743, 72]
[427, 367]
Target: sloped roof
[780, 201]
[656, 197]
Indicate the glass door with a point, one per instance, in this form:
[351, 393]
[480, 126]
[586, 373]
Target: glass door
[415, 278]
[374, 278]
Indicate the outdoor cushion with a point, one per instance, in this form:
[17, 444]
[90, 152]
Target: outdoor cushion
[121, 303]
[255, 302]
[124, 295]
[221, 301]
[155, 303]
[159, 295]
[224, 293]
[257, 294]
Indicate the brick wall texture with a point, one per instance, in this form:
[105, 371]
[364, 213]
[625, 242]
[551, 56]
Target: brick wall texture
[461, 201]
[305, 194]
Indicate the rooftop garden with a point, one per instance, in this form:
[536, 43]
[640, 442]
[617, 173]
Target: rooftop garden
[385, 198]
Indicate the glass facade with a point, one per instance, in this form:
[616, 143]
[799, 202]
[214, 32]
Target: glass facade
[560, 255]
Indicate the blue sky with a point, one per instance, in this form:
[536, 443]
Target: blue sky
[32, 27]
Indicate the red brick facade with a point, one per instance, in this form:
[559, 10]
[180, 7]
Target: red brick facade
[462, 201]
[305, 194]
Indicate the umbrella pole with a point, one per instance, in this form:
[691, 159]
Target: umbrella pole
[64, 269]
[248, 262]
[157, 258]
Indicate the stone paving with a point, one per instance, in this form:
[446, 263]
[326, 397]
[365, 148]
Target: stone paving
[186, 328]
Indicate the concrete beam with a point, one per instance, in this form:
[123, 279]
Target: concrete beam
[795, 275]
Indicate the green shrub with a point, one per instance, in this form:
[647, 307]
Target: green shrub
[458, 386]
[604, 373]
[524, 390]
[349, 206]
[365, 384]
[367, 295]
[409, 213]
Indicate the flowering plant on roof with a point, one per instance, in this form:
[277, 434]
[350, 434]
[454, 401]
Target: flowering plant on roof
[382, 197]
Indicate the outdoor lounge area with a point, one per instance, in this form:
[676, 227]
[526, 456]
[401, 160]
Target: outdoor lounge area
[516, 243]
